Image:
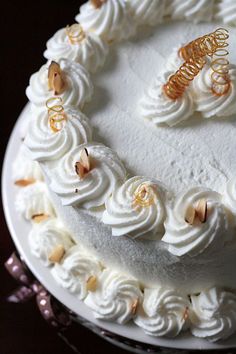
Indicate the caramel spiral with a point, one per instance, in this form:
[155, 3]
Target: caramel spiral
[75, 33]
[177, 83]
[143, 196]
[56, 114]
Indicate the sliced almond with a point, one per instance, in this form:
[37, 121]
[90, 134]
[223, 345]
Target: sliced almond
[98, 3]
[38, 218]
[190, 215]
[79, 169]
[24, 182]
[57, 254]
[185, 314]
[55, 78]
[134, 306]
[83, 166]
[201, 210]
[92, 283]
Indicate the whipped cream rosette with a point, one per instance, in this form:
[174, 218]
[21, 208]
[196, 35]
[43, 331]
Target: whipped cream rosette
[159, 109]
[24, 170]
[229, 198]
[214, 315]
[107, 19]
[210, 104]
[91, 190]
[146, 12]
[116, 298]
[77, 86]
[76, 271]
[226, 12]
[191, 10]
[164, 312]
[136, 208]
[33, 202]
[47, 144]
[192, 237]
[88, 49]
[49, 241]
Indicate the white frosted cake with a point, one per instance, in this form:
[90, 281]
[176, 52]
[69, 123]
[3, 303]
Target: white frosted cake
[131, 192]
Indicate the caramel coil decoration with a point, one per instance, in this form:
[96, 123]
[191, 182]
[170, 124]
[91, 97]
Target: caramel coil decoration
[56, 114]
[177, 83]
[143, 196]
[75, 33]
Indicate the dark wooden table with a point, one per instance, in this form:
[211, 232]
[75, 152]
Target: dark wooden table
[25, 28]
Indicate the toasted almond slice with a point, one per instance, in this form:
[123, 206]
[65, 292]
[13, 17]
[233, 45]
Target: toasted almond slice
[134, 306]
[98, 3]
[38, 218]
[201, 210]
[57, 254]
[58, 84]
[185, 314]
[79, 169]
[85, 159]
[53, 68]
[190, 215]
[92, 283]
[24, 182]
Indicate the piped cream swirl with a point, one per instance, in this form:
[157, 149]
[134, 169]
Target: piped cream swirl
[159, 109]
[148, 12]
[214, 315]
[91, 52]
[125, 216]
[164, 312]
[45, 237]
[230, 196]
[97, 185]
[110, 20]
[75, 270]
[191, 10]
[115, 298]
[183, 238]
[226, 12]
[45, 144]
[78, 86]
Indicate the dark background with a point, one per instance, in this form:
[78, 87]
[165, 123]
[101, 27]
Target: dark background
[25, 28]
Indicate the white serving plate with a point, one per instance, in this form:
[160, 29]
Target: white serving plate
[19, 229]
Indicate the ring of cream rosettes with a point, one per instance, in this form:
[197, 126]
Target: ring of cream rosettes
[159, 312]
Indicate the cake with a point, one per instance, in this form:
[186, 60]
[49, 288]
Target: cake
[132, 193]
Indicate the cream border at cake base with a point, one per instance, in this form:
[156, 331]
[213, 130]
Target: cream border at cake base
[19, 231]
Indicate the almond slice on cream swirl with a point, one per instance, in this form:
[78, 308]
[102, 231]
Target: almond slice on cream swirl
[116, 299]
[75, 270]
[92, 190]
[148, 12]
[226, 12]
[45, 237]
[90, 52]
[106, 18]
[210, 104]
[45, 144]
[214, 314]
[78, 87]
[136, 208]
[184, 238]
[164, 312]
[158, 108]
[192, 10]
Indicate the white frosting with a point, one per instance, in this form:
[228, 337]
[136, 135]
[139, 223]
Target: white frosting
[214, 314]
[163, 312]
[24, 168]
[183, 238]
[110, 21]
[211, 105]
[91, 52]
[114, 297]
[78, 85]
[148, 12]
[97, 185]
[75, 269]
[125, 217]
[45, 237]
[34, 200]
[159, 108]
[45, 144]
[191, 10]
[226, 12]
[230, 195]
